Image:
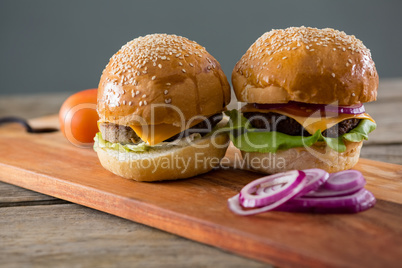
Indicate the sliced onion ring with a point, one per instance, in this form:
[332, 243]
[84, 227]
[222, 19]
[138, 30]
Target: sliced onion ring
[268, 106]
[311, 190]
[344, 180]
[315, 177]
[236, 207]
[288, 181]
[352, 109]
[340, 184]
[357, 202]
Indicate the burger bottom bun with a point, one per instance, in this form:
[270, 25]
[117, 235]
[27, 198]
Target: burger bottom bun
[317, 156]
[166, 164]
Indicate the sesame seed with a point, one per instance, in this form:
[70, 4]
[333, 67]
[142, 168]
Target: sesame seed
[132, 94]
[168, 100]
[183, 70]
[192, 65]
[160, 66]
[145, 102]
[312, 49]
[343, 49]
[334, 49]
[347, 64]
[124, 102]
[168, 84]
[163, 57]
[144, 96]
[307, 47]
[350, 61]
[353, 94]
[137, 92]
[153, 77]
[333, 75]
[130, 103]
[284, 58]
[166, 92]
[140, 103]
[181, 64]
[279, 66]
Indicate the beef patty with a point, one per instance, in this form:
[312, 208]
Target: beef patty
[287, 125]
[125, 134]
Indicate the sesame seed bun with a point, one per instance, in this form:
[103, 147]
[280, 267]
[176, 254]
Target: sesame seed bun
[161, 69]
[308, 65]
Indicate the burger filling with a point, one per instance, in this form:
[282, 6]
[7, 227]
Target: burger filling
[124, 134]
[270, 130]
[284, 124]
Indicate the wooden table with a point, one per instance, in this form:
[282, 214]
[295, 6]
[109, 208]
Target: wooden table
[39, 230]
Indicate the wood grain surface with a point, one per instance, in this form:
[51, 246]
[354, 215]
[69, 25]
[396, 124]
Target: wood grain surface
[196, 208]
[58, 233]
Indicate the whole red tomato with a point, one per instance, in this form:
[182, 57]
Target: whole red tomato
[78, 117]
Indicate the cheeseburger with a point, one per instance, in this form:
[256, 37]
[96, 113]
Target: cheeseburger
[159, 98]
[304, 89]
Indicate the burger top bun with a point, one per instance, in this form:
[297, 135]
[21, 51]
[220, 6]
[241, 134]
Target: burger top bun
[308, 65]
[161, 78]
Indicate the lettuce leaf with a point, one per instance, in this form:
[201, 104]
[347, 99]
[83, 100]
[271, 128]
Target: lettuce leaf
[360, 132]
[249, 139]
[101, 143]
[141, 147]
[264, 142]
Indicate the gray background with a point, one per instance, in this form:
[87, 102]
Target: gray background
[54, 46]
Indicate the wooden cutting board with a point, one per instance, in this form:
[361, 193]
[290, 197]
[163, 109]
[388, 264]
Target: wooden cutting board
[196, 208]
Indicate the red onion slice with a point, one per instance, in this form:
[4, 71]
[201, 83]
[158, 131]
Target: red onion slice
[357, 202]
[344, 180]
[315, 177]
[352, 109]
[340, 184]
[236, 207]
[269, 106]
[269, 189]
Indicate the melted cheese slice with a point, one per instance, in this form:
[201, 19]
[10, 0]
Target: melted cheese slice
[314, 121]
[154, 134]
